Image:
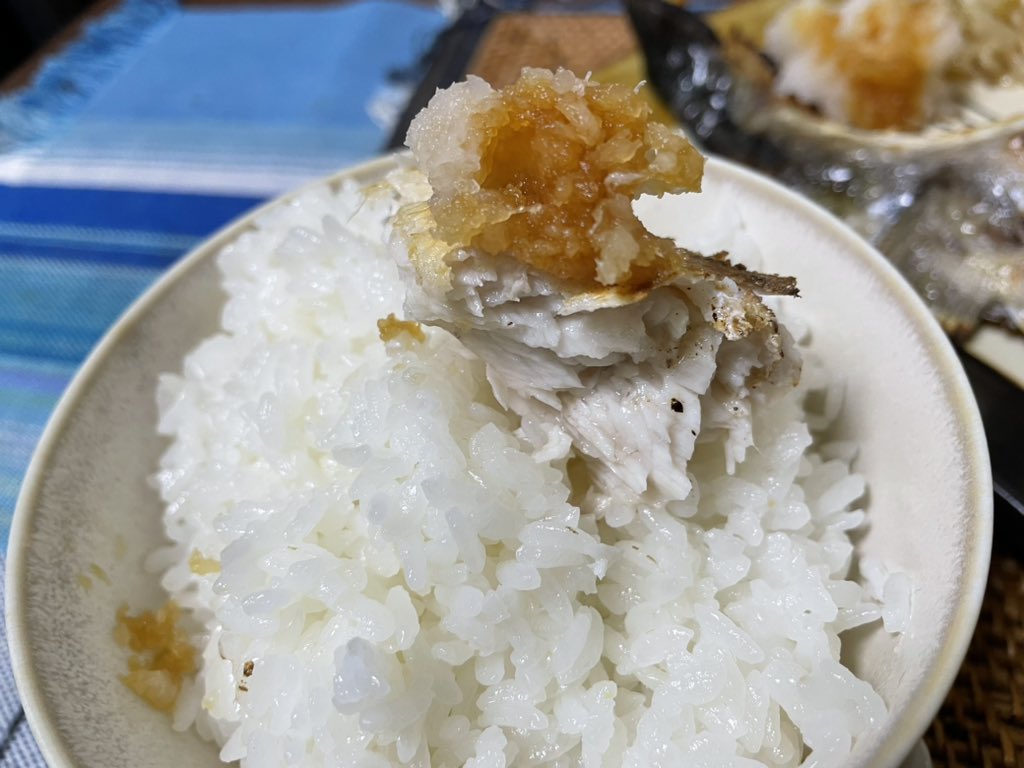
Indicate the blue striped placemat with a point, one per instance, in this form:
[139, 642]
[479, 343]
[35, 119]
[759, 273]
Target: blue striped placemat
[153, 130]
[71, 261]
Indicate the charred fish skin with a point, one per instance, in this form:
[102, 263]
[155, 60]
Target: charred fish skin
[961, 245]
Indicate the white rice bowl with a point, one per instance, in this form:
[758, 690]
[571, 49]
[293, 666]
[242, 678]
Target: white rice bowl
[413, 587]
[85, 510]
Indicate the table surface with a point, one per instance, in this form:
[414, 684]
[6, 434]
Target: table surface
[149, 125]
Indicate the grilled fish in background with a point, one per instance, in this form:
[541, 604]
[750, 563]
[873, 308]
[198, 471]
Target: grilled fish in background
[945, 204]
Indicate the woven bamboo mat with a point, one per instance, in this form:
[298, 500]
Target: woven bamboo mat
[981, 723]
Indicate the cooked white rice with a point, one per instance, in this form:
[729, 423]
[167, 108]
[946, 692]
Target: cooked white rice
[413, 587]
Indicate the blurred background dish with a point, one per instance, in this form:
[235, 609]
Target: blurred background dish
[921, 153]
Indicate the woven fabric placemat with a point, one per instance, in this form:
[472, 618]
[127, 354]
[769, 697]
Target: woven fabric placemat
[981, 722]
